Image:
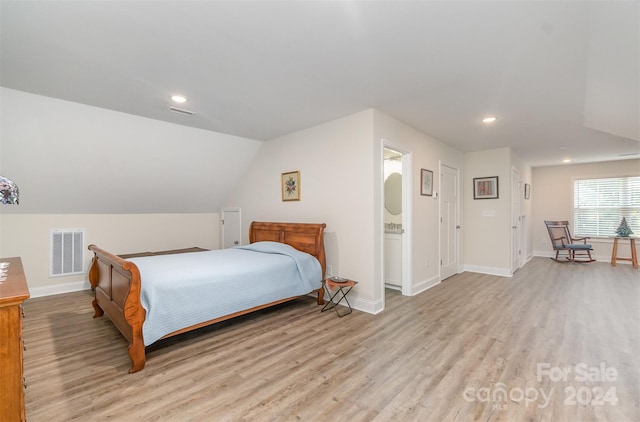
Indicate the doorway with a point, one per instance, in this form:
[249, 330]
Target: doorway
[393, 231]
[396, 169]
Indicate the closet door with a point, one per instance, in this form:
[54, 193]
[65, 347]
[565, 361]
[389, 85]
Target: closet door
[449, 222]
[230, 227]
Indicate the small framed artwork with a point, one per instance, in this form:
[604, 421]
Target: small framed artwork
[485, 187]
[290, 186]
[426, 182]
[527, 191]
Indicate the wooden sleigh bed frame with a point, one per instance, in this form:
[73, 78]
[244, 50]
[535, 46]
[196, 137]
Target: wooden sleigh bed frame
[117, 283]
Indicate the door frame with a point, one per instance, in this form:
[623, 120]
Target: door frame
[407, 217]
[515, 243]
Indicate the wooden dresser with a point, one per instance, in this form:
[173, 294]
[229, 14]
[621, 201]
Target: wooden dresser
[13, 291]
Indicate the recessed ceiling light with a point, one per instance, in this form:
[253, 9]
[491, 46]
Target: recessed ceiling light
[566, 160]
[179, 98]
[489, 119]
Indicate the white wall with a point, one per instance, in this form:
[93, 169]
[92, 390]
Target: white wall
[27, 236]
[335, 161]
[552, 194]
[487, 222]
[135, 184]
[121, 182]
[341, 185]
[426, 152]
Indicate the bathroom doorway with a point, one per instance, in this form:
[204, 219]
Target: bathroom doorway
[394, 218]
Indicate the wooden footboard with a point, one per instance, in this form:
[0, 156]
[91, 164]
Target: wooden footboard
[117, 283]
[117, 293]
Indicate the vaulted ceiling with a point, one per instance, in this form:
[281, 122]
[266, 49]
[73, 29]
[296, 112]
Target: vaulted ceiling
[561, 77]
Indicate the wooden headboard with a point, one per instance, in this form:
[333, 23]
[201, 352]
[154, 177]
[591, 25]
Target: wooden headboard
[305, 237]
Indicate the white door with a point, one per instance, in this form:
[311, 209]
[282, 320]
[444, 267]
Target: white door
[449, 225]
[515, 220]
[230, 227]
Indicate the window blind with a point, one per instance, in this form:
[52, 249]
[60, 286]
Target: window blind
[600, 204]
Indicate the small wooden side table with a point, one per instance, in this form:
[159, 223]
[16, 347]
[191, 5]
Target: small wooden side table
[634, 255]
[341, 290]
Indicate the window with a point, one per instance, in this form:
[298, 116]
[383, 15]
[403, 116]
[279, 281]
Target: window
[600, 204]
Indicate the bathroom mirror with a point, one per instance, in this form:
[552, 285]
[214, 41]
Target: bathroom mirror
[393, 193]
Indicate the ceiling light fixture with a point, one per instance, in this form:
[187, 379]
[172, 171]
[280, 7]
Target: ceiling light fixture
[566, 160]
[489, 119]
[9, 192]
[179, 98]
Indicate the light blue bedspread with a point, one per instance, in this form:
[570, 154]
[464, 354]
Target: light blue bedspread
[182, 290]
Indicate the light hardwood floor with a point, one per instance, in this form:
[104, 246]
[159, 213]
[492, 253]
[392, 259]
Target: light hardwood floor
[445, 354]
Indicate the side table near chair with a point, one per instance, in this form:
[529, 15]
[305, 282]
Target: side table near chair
[338, 288]
[634, 255]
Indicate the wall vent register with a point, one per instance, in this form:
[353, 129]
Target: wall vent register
[66, 252]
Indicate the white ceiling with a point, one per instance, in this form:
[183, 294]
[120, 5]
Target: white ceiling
[263, 69]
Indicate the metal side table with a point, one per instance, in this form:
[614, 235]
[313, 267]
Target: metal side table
[338, 290]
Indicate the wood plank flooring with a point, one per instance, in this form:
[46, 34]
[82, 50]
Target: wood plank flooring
[468, 349]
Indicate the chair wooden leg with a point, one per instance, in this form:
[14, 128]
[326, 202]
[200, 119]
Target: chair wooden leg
[585, 255]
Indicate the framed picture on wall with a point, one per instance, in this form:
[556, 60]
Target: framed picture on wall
[290, 186]
[527, 191]
[485, 187]
[426, 182]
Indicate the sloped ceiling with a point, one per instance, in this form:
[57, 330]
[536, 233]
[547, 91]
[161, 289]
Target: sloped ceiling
[70, 158]
[263, 69]
[611, 104]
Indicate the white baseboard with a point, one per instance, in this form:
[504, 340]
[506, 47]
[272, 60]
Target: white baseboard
[364, 305]
[544, 254]
[425, 285]
[502, 272]
[56, 289]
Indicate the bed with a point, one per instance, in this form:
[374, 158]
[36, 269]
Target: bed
[133, 303]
